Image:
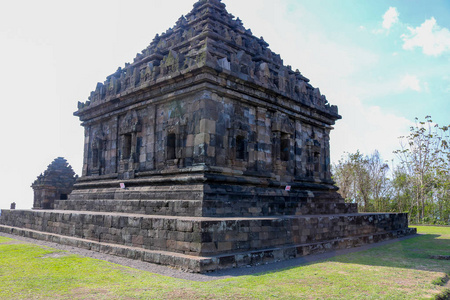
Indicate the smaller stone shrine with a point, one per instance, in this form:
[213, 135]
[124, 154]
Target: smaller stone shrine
[56, 183]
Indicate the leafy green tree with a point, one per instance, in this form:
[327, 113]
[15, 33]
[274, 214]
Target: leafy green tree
[380, 182]
[419, 185]
[363, 180]
[424, 159]
[401, 191]
[343, 176]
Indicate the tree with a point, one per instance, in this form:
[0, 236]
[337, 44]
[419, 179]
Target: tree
[401, 191]
[363, 180]
[424, 157]
[420, 184]
[380, 183]
[343, 176]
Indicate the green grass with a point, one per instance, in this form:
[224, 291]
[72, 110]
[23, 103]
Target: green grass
[401, 270]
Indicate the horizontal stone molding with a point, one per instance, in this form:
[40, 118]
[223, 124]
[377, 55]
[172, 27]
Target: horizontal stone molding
[200, 236]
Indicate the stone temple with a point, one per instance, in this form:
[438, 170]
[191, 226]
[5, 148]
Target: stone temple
[56, 183]
[206, 152]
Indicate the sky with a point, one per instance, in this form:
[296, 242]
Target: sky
[383, 63]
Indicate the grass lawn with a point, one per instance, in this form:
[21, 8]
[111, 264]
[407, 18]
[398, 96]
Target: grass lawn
[401, 270]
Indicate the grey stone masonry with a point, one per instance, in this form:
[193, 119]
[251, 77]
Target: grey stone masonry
[206, 152]
[221, 242]
[56, 183]
[208, 103]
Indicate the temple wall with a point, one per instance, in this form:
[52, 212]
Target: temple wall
[207, 129]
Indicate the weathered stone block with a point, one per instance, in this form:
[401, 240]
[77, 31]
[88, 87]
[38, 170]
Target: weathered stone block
[205, 147]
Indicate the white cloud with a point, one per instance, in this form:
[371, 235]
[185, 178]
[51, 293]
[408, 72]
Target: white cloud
[433, 39]
[366, 128]
[390, 18]
[410, 82]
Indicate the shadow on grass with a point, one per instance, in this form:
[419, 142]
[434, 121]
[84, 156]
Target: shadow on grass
[412, 252]
[401, 253]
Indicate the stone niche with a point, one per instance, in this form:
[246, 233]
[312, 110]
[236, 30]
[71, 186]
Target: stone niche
[206, 152]
[239, 153]
[56, 183]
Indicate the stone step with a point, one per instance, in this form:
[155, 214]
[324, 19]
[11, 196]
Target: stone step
[214, 198]
[200, 236]
[133, 206]
[198, 208]
[202, 264]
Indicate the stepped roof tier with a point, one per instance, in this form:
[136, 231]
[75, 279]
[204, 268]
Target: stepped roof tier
[59, 174]
[55, 183]
[209, 37]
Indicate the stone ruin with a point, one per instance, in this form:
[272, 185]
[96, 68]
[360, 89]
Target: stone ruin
[56, 183]
[206, 152]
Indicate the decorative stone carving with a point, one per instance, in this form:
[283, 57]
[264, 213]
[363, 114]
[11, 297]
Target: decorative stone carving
[178, 49]
[130, 123]
[204, 130]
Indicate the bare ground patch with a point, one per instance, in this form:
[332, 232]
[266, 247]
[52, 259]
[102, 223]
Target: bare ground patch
[12, 242]
[56, 255]
[89, 294]
[187, 294]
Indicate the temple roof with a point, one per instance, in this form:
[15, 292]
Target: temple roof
[209, 36]
[59, 174]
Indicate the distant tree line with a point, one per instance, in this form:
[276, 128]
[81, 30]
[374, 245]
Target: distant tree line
[419, 184]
